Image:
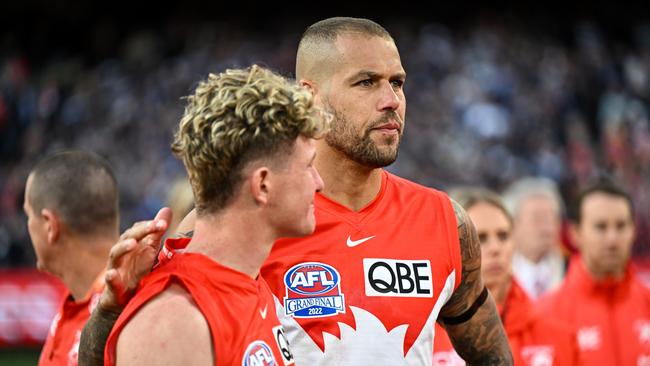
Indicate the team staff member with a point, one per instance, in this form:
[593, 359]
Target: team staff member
[534, 340]
[602, 297]
[71, 203]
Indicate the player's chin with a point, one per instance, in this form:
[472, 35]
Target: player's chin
[306, 228]
[384, 141]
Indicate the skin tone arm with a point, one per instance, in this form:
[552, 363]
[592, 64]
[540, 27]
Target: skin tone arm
[130, 259]
[181, 339]
[480, 340]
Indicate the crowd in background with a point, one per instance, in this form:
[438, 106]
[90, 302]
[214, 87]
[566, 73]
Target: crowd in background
[487, 104]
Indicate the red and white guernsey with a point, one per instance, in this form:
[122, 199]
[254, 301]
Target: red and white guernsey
[367, 287]
[239, 310]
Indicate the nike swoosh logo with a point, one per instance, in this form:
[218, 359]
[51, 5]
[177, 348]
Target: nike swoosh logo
[353, 243]
[263, 312]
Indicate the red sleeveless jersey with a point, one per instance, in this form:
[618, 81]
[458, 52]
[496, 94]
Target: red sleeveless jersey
[61, 347]
[239, 310]
[367, 287]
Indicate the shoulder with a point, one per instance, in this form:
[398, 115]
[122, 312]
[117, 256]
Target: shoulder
[171, 328]
[407, 194]
[405, 185]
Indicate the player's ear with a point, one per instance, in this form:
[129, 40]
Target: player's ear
[260, 184]
[52, 225]
[310, 85]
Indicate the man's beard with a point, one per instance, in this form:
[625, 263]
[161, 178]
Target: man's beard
[344, 137]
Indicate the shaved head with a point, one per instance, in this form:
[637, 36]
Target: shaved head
[80, 187]
[317, 53]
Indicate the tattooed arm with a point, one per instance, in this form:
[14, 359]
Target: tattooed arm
[480, 338]
[130, 259]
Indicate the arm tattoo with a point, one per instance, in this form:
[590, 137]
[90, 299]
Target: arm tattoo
[470, 283]
[480, 340]
[94, 337]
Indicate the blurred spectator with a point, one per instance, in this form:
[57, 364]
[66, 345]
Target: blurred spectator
[488, 103]
[536, 207]
[180, 200]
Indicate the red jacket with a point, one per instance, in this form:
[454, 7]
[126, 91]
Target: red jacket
[612, 318]
[534, 340]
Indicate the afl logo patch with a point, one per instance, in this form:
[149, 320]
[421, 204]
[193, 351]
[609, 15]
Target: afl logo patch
[258, 353]
[313, 290]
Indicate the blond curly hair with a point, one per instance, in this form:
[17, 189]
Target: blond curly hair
[236, 117]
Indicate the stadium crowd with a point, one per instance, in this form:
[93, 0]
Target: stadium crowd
[488, 103]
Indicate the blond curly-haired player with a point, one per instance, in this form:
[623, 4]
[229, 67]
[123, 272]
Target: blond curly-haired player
[247, 141]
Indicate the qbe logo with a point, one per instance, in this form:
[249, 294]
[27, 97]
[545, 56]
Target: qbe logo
[397, 278]
[313, 290]
[258, 353]
[283, 345]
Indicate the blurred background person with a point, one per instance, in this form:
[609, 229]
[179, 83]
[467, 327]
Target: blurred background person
[537, 209]
[71, 203]
[601, 297]
[180, 200]
[534, 340]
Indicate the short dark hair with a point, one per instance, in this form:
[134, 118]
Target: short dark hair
[80, 187]
[329, 29]
[602, 185]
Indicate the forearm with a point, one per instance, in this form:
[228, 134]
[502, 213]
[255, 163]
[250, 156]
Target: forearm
[94, 337]
[482, 339]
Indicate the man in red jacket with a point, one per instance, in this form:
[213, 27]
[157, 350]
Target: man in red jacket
[602, 297]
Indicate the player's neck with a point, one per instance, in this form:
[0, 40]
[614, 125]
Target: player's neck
[235, 239]
[499, 291]
[84, 262]
[347, 182]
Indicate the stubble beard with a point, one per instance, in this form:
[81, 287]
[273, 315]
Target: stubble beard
[344, 137]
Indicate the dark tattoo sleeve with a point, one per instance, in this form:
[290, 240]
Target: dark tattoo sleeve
[94, 337]
[471, 283]
[480, 340]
